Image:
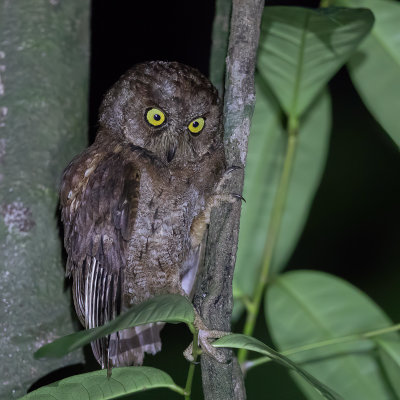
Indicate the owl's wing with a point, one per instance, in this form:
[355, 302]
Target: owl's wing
[99, 197]
[191, 266]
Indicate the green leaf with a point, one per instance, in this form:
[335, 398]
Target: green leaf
[389, 351]
[95, 385]
[238, 341]
[301, 49]
[375, 67]
[263, 169]
[263, 166]
[166, 308]
[305, 307]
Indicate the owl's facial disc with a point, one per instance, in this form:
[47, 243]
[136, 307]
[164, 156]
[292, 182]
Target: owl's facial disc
[156, 118]
[172, 140]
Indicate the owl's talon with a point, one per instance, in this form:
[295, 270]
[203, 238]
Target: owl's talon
[225, 177]
[232, 168]
[238, 196]
[188, 353]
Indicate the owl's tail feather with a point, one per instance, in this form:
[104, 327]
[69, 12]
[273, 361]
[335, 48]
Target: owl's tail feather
[128, 346]
[96, 296]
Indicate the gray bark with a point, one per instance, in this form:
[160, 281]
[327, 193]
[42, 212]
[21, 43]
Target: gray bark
[44, 61]
[214, 295]
[219, 48]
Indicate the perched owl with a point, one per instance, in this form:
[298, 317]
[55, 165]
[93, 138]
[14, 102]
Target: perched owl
[135, 204]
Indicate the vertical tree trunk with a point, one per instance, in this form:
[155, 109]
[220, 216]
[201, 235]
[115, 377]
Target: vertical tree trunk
[44, 59]
[219, 47]
[214, 295]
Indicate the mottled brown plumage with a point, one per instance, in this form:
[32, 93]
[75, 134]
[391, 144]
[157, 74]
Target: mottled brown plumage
[135, 204]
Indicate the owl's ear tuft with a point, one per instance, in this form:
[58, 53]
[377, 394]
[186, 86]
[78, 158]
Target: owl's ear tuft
[111, 113]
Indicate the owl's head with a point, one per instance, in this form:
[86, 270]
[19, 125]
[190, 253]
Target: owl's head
[167, 108]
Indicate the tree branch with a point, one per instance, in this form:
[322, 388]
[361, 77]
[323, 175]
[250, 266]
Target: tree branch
[214, 295]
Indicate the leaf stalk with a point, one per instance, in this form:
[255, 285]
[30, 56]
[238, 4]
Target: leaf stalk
[195, 353]
[324, 343]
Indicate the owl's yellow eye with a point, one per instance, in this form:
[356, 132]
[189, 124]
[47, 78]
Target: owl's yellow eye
[155, 117]
[196, 126]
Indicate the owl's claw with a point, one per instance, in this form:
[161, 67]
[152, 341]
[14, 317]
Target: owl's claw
[238, 196]
[226, 176]
[188, 354]
[232, 168]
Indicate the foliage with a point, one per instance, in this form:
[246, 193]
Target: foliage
[161, 308]
[167, 308]
[96, 385]
[306, 307]
[375, 66]
[335, 341]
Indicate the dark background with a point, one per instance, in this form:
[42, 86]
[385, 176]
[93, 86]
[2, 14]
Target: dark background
[352, 230]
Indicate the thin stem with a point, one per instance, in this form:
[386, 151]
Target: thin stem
[177, 389]
[273, 232]
[381, 331]
[324, 343]
[192, 366]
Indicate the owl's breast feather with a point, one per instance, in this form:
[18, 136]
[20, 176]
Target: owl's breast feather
[161, 239]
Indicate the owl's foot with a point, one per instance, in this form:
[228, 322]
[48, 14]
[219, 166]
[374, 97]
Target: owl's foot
[205, 336]
[201, 222]
[227, 175]
[218, 197]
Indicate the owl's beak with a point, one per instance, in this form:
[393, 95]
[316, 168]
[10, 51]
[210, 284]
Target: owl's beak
[171, 152]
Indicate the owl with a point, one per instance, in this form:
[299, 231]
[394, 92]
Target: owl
[136, 203]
